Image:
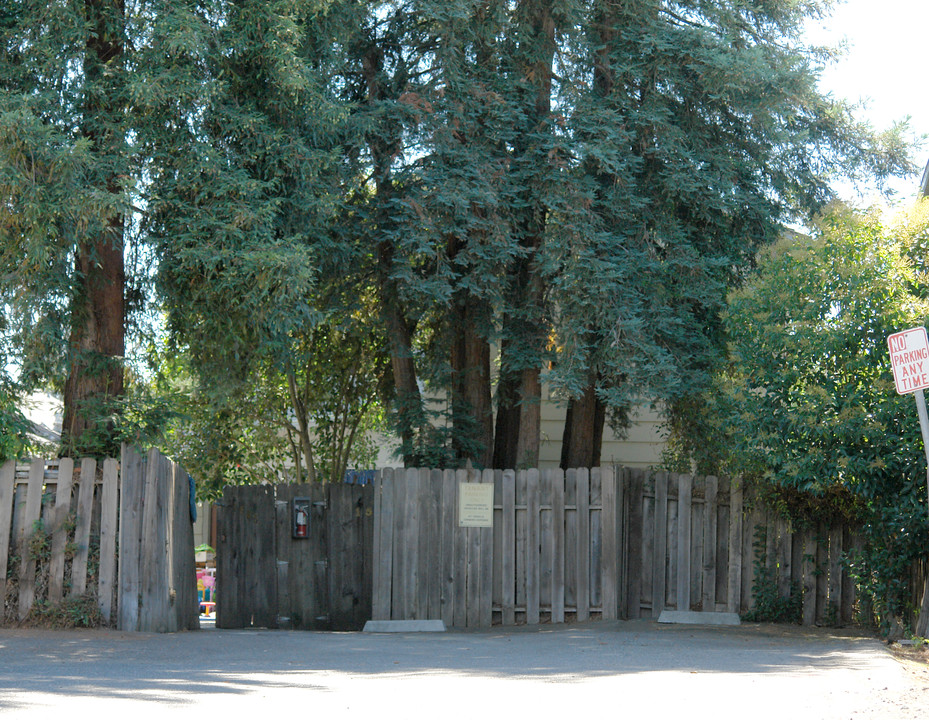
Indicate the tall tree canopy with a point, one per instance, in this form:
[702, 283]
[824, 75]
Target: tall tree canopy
[497, 191]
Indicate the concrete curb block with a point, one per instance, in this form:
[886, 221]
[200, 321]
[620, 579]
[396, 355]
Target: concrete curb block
[397, 626]
[682, 617]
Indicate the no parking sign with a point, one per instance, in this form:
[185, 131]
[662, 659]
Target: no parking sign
[909, 359]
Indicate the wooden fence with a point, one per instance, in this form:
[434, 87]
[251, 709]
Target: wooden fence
[606, 542]
[110, 529]
[268, 578]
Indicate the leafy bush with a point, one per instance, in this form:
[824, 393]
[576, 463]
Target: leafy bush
[806, 408]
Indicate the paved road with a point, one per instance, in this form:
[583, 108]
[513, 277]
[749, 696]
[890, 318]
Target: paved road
[599, 669]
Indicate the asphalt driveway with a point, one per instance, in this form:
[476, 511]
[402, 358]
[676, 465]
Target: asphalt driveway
[607, 668]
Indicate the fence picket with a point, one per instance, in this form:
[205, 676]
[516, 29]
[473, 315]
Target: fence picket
[809, 577]
[683, 543]
[59, 528]
[130, 540]
[461, 558]
[27, 532]
[582, 561]
[108, 525]
[383, 544]
[736, 545]
[632, 549]
[7, 495]
[85, 504]
[532, 547]
[610, 555]
[710, 518]
[558, 546]
[508, 548]
[449, 520]
[486, 569]
[660, 560]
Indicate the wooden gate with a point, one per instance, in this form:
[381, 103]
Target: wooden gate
[604, 543]
[268, 578]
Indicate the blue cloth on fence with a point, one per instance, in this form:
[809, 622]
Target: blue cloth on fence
[359, 477]
[193, 498]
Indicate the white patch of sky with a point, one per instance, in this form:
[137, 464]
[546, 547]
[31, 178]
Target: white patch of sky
[883, 68]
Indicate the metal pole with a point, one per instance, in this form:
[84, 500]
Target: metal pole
[924, 428]
[922, 624]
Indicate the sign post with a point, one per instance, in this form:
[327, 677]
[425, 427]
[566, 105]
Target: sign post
[909, 360]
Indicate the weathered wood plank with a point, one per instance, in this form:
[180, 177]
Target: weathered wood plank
[822, 569]
[835, 573]
[132, 485]
[410, 545]
[632, 550]
[756, 524]
[545, 542]
[740, 538]
[609, 559]
[283, 514]
[784, 557]
[31, 521]
[186, 607]
[570, 589]
[426, 605]
[7, 478]
[363, 610]
[383, 544]
[401, 556]
[582, 556]
[461, 558]
[660, 546]
[434, 564]
[59, 529]
[341, 545]
[310, 562]
[558, 546]
[532, 547]
[673, 541]
[154, 609]
[449, 531]
[473, 594]
[508, 561]
[851, 545]
[109, 517]
[684, 537]
[808, 539]
[85, 506]
[710, 519]
[595, 563]
[485, 608]
[227, 551]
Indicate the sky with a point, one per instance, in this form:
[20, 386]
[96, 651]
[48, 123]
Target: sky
[884, 66]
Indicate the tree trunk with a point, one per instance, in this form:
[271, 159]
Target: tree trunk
[98, 311]
[472, 409]
[506, 430]
[522, 365]
[582, 438]
[583, 431]
[407, 400]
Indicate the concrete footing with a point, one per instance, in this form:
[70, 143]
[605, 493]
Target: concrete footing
[398, 626]
[682, 617]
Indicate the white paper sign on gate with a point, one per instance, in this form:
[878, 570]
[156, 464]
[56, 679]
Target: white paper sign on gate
[909, 359]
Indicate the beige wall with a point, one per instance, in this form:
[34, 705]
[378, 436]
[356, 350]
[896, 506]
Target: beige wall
[641, 448]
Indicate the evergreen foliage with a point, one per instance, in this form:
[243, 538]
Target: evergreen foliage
[477, 190]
